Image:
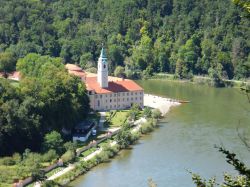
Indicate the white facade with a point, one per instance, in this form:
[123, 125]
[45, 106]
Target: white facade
[116, 101]
[102, 73]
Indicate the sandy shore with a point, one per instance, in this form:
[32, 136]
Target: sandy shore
[163, 104]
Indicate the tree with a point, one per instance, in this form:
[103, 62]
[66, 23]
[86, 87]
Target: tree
[53, 140]
[216, 75]
[7, 63]
[119, 71]
[147, 112]
[124, 137]
[156, 113]
[245, 4]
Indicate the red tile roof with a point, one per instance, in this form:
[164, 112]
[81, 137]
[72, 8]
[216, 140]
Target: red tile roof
[77, 73]
[119, 85]
[115, 84]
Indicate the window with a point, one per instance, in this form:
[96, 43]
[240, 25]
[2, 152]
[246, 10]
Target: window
[135, 93]
[132, 93]
[127, 99]
[123, 94]
[98, 102]
[127, 94]
[114, 100]
[136, 98]
[110, 100]
[104, 66]
[96, 96]
[100, 96]
[132, 99]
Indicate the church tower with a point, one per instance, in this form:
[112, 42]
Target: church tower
[102, 74]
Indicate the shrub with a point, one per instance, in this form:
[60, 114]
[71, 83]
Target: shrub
[68, 156]
[102, 157]
[50, 183]
[146, 128]
[50, 156]
[147, 112]
[7, 161]
[156, 114]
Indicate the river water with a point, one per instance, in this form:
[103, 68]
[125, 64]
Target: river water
[185, 140]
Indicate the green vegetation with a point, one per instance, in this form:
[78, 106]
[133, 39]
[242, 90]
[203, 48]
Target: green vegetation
[7, 63]
[47, 99]
[185, 38]
[124, 139]
[148, 126]
[116, 118]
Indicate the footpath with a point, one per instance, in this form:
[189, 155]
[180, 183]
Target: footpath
[163, 104]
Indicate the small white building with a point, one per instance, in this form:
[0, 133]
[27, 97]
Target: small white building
[106, 92]
[83, 130]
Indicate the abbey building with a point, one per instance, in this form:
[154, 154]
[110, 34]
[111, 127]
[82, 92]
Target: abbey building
[106, 92]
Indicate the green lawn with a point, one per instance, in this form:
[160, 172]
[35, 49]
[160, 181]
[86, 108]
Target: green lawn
[118, 119]
[88, 152]
[52, 172]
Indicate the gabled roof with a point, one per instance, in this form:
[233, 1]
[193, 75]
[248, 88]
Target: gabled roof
[114, 86]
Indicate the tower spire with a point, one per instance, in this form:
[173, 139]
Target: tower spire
[103, 52]
[102, 74]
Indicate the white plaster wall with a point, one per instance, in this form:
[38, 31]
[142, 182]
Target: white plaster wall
[113, 101]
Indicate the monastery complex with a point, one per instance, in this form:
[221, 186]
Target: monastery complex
[106, 92]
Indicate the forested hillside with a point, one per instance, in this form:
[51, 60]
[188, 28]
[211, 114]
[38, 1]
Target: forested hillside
[185, 37]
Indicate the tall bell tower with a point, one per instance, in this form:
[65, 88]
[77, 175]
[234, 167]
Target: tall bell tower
[102, 73]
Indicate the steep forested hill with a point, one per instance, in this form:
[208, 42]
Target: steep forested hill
[185, 37]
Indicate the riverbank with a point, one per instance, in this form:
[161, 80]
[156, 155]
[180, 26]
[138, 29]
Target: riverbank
[140, 126]
[161, 103]
[201, 80]
[184, 140]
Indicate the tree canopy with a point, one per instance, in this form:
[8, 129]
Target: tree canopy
[183, 37]
[47, 98]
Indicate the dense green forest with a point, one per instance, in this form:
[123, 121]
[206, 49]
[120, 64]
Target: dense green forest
[187, 37]
[47, 98]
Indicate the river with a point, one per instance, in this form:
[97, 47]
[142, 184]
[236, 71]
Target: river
[184, 141]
